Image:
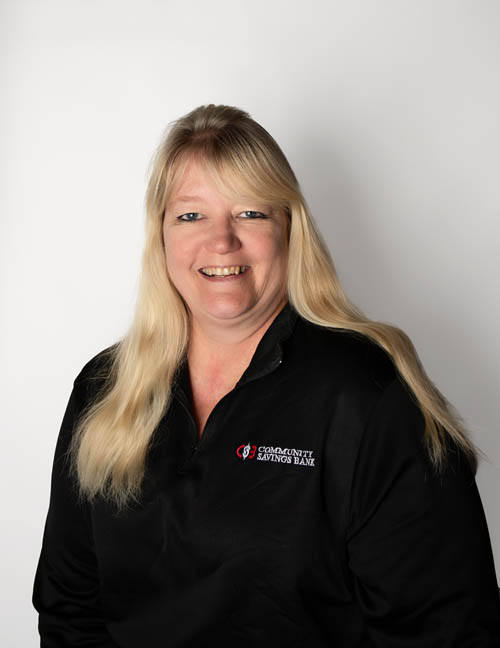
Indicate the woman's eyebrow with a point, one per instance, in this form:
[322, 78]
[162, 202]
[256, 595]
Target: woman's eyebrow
[198, 199]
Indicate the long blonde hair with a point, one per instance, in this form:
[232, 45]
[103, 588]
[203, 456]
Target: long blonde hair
[114, 432]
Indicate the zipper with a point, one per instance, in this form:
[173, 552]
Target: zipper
[195, 446]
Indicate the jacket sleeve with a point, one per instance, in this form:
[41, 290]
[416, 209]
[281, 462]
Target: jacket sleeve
[66, 586]
[418, 544]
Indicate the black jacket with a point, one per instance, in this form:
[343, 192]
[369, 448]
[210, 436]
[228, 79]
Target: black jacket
[307, 515]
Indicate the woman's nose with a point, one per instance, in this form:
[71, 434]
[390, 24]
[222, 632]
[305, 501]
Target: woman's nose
[222, 237]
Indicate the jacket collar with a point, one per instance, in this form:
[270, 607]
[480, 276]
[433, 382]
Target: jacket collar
[267, 356]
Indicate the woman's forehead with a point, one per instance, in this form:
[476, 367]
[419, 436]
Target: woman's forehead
[196, 181]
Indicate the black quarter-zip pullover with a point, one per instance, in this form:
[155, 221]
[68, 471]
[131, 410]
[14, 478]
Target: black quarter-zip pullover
[308, 515]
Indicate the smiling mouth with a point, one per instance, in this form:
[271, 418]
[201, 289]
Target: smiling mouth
[223, 271]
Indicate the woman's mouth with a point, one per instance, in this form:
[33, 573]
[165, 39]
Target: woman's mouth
[223, 273]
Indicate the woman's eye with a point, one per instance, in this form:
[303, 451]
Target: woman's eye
[249, 214]
[253, 214]
[186, 217]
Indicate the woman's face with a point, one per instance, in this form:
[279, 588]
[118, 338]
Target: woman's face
[203, 230]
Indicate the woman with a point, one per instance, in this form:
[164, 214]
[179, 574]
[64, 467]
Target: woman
[256, 463]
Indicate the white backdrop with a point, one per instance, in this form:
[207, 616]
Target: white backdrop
[388, 113]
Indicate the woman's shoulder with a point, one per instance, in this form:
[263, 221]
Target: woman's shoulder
[96, 369]
[354, 357]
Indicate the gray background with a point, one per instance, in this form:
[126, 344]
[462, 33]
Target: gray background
[388, 112]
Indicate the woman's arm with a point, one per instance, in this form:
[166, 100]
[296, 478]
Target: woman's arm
[418, 542]
[66, 587]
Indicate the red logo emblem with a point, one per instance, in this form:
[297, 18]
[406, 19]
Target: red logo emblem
[246, 451]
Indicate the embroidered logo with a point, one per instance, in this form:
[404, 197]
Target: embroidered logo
[246, 451]
[281, 455]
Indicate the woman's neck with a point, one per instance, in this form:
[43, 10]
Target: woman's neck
[218, 350]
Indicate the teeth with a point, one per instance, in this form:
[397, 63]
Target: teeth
[221, 272]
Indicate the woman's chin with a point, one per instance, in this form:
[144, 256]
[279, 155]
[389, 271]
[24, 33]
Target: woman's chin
[226, 311]
[223, 307]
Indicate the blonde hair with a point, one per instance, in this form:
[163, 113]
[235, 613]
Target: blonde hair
[114, 432]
